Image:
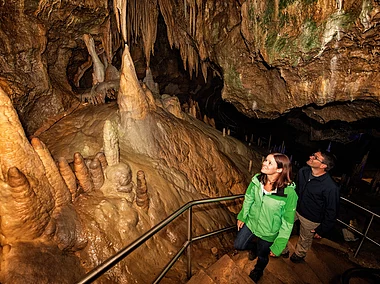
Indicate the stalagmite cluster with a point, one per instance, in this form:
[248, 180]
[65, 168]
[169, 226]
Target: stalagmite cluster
[75, 210]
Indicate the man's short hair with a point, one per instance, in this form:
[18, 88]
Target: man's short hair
[329, 160]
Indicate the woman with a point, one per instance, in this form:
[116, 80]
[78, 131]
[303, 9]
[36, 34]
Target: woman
[268, 212]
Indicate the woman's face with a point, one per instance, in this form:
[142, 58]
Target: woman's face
[269, 166]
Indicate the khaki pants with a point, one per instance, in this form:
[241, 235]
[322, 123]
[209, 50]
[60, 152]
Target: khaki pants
[306, 236]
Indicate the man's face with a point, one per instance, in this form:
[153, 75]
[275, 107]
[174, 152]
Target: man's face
[316, 160]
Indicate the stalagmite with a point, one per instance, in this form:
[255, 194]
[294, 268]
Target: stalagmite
[142, 198]
[26, 201]
[102, 160]
[23, 215]
[96, 172]
[15, 149]
[111, 144]
[82, 173]
[68, 176]
[61, 192]
[131, 98]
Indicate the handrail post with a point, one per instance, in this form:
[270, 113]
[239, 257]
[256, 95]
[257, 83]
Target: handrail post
[364, 237]
[189, 239]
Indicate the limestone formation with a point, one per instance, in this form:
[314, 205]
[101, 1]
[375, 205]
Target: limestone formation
[100, 222]
[120, 176]
[96, 173]
[82, 173]
[98, 67]
[142, 198]
[111, 144]
[68, 176]
[61, 192]
[131, 99]
[102, 159]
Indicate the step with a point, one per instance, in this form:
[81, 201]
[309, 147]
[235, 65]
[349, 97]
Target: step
[241, 260]
[201, 278]
[324, 263]
[224, 271]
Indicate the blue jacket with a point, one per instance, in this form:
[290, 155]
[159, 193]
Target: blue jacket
[318, 199]
[270, 217]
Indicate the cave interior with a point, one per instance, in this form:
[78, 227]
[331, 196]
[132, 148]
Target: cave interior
[114, 117]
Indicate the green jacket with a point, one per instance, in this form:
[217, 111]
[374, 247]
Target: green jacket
[270, 217]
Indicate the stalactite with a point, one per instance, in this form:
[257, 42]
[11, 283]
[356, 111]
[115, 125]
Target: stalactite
[111, 144]
[117, 14]
[82, 173]
[107, 41]
[68, 176]
[81, 70]
[120, 10]
[60, 191]
[96, 173]
[142, 199]
[98, 67]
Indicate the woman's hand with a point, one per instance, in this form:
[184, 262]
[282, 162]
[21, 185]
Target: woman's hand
[240, 224]
[272, 254]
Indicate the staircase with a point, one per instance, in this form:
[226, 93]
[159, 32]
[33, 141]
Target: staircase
[324, 263]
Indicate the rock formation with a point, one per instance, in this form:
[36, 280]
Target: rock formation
[89, 220]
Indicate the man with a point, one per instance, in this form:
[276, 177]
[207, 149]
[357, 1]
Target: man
[318, 200]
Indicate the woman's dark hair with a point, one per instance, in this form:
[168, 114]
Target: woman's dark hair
[284, 179]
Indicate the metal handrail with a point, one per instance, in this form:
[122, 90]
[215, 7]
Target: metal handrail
[113, 260]
[364, 236]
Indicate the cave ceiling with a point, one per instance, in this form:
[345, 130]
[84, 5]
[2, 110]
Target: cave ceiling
[272, 56]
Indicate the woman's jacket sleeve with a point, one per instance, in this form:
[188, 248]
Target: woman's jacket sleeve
[249, 198]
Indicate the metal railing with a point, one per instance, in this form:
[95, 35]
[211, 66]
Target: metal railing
[364, 235]
[113, 260]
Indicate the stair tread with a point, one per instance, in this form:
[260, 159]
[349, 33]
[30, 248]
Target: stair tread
[323, 264]
[226, 271]
[201, 278]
